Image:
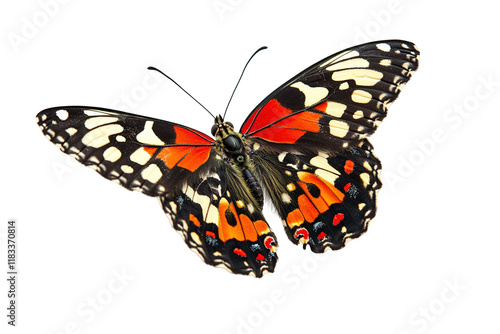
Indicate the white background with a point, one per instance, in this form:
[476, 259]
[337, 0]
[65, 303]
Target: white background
[429, 262]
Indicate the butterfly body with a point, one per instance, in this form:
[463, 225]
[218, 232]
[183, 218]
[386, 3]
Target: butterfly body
[304, 147]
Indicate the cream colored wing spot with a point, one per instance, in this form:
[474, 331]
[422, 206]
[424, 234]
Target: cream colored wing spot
[127, 169]
[71, 131]
[120, 139]
[349, 63]
[151, 173]
[91, 113]
[338, 128]
[361, 96]
[286, 198]
[358, 114]
[385, 62]
[344, 86]
[362, 77]
[324, 169]
[313, 95]
[147, 136]
[212, 215]
[335, 109]
[99, 137]
[62, 114]
[195, 238]
[384, 47]
[365, 178]
[140, 156]
[112, 154]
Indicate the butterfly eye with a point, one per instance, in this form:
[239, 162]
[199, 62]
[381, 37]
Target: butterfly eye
[230, 124]
[214, 129]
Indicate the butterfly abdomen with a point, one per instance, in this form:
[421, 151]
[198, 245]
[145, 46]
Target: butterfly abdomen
[254, 186]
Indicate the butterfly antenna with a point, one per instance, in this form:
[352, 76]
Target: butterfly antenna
[258, 50]
[191, 96]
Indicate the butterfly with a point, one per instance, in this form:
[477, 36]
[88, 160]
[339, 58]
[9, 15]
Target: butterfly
[303, 148]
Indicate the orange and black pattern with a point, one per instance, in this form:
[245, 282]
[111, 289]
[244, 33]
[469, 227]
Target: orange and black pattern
[304, 147]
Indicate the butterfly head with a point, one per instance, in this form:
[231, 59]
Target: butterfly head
[221, 128]
[229, 140]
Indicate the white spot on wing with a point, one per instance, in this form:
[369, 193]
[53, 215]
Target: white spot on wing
[365, 178]
[112, 154]
[361, 96]
[127, 169]
[120, 139]
[151, 173]
[100, 136]
[282, 156]
[62, 114]
[286, 198]
[344, 86]
[385, 62]
[338, 128]
[140, 156]
[90, 112]
[147, 136]
[324, 170]
[358, 114]
[312, 94]
[384, 47]
[362, 77]
[335, 109]
[195, 238]
[71, 131]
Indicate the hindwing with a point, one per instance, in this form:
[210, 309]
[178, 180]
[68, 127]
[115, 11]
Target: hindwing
[323, 200]
[222, 225]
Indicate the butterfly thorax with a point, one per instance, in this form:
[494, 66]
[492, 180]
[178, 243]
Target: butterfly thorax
[233, 151]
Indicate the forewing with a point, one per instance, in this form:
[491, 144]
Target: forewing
[323, 200]
[226, 230]
[339, 100]
[139, 153]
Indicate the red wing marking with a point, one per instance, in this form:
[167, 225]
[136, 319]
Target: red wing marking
[338, 218]
[275, 123]
[348, 167]
[269, 113]
[239, 252]
[191, 137]
[188, 157]
[194, 159]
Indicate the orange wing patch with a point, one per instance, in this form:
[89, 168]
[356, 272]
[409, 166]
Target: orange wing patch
[241, 227]
[310, 205]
